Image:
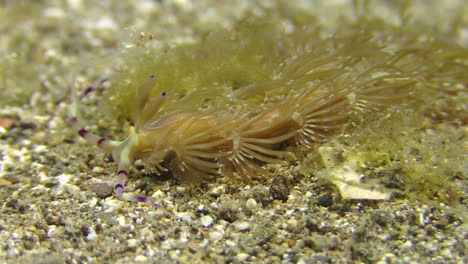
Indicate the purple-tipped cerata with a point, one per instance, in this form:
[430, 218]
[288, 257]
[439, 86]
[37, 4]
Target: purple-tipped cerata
[87, 91]
[100, 141]
[116, 148]
[82, 132]
[122, 172]
[140, 199]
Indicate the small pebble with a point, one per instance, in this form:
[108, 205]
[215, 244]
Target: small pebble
[102, 189]
[251, 204]
[242, 257]
[217, 191]
[206, 220]
[216, 236]
[132, 243]
[91, 234]
[141, 259]
[242, 226]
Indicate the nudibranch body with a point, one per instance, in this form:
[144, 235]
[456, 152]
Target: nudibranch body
[223, 127]
[237, 141]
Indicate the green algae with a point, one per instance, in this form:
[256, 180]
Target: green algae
[220, 60]
[396, 152]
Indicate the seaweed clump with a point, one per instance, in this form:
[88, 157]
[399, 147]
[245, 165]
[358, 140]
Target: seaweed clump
[396, 154]
[219, 62]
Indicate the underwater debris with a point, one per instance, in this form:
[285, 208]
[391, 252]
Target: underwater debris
[348, 178]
